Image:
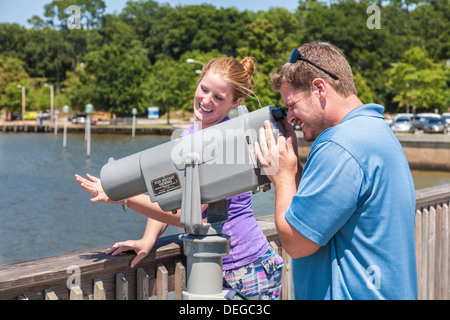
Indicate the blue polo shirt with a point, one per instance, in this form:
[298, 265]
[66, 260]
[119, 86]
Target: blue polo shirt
[356, 200]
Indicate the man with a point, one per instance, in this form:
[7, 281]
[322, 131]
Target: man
[349, 223]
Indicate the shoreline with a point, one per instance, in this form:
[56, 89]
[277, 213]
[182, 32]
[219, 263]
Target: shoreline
[143, 126]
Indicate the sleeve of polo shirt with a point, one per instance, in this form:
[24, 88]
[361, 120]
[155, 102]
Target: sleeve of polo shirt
[327, 195]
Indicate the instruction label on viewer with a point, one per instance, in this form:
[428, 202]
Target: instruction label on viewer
[165, 184]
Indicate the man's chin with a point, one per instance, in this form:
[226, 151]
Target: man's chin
[308, 137]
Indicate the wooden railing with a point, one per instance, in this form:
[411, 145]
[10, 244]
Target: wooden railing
[91, 274]
[432, 242]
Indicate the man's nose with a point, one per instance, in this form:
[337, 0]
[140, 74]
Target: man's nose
[290, 116]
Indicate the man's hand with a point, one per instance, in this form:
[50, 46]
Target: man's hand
[285, 172]
[278, 158]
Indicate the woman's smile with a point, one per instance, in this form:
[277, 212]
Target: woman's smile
[204, 109]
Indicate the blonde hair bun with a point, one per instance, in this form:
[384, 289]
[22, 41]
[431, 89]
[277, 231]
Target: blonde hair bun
[249, 65]
[238, 73]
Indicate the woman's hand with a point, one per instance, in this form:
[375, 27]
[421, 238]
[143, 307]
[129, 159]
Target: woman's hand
[93, 186]
[140, 247]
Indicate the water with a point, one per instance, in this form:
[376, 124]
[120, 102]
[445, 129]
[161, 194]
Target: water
[44, 212]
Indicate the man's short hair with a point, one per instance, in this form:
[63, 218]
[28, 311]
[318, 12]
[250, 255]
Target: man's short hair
[301, 74]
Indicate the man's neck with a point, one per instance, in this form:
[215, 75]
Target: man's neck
[346, 105]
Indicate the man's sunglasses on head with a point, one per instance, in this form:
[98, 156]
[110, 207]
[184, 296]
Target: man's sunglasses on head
[296, 55]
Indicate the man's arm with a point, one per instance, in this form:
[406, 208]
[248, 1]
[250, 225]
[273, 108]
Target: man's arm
[281, 162]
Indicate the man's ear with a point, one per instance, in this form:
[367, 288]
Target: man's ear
[319, 87]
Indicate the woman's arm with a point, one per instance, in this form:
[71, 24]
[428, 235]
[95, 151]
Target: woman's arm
[140, 203]
[143, 205]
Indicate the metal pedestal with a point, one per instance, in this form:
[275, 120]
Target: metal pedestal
[204, 244]
[204, 266]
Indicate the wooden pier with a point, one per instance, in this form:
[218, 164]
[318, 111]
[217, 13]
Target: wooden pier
[93, 275]
[159, 129]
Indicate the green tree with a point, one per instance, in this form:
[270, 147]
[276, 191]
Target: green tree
[73, 41]
[78, 88]
[13, 40]
[47, 55]
[122, 61]
[164, 87]
[12, 70]
[13, 73]
[365, 93]
[117, 69]
[90, 13]
[143, 16]
[270, 39]
[431, 25]
[417, 81]
[178, 30]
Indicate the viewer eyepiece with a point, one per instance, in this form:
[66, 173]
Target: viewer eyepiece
[279, 114]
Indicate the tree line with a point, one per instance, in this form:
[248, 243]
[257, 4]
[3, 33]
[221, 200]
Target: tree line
[138, 58]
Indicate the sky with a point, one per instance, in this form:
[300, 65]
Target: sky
[19, 11]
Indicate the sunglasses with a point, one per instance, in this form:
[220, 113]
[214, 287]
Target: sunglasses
[296, 55]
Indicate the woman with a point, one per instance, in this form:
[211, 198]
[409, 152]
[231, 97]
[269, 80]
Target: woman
[252, 267]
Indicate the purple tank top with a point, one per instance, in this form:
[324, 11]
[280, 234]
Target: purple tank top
[247, 241]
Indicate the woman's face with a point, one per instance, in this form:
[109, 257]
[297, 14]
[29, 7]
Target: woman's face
[213, 99]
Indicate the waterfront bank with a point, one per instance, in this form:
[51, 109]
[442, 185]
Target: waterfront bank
[143, 126]
[427, 152]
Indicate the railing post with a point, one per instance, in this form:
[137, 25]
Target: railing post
[445, 286]
[419, 253]
[438, 253]
[142, 285]
[121, 287]
[180, 279]
[424, 251]
[286, 272]
[99, 290]
[431, 252]
[286, 292]
[50, 295]
[162, 282]
[76, 293]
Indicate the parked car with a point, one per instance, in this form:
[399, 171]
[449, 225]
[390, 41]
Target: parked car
[81, 119]
[401, 115]
[422, 118]
[16, 116]
[446, 117]
[402, 124]
[44, 115]
[435, 125]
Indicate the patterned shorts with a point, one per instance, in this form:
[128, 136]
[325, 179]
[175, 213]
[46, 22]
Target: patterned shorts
[260, 279]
